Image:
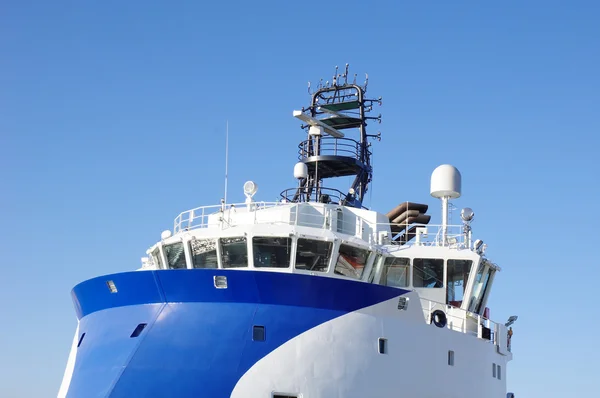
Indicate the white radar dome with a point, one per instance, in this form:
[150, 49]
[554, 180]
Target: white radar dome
[446, 182]
[300, 170]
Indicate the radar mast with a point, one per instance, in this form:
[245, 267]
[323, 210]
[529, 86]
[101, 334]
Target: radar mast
[338, 108]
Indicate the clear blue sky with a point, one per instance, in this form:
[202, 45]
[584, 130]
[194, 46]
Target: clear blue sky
[112, 119]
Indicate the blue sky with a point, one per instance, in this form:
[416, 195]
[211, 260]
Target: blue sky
[112, 121]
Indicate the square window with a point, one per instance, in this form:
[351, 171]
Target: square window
[258, 333]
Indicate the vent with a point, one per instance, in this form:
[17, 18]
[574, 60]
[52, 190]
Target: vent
[382, 345]
[80, 339]
[220, 282]
[138, 330]
[258, 333]
[403, 303]
[111, 286]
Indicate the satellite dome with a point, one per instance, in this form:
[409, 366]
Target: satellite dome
[446, 182]
[300, 170]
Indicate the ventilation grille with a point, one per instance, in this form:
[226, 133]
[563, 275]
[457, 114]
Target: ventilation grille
[403, 303]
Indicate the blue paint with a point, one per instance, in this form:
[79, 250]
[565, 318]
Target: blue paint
[198, 342]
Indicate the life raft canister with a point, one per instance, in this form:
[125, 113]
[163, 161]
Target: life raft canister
[438, 318]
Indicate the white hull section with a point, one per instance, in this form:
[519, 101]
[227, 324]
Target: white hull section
[341, 359]
[66, 382]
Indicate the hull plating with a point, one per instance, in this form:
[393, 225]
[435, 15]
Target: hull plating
[198, 340]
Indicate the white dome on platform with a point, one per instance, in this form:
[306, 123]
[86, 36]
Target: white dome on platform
[446, 182]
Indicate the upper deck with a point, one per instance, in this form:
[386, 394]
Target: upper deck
[370, 227]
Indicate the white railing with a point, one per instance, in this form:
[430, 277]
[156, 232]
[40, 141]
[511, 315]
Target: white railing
[215, 215]
[326, 217]
[461, 320]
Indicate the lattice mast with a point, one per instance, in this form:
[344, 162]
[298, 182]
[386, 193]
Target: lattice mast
[337, 108]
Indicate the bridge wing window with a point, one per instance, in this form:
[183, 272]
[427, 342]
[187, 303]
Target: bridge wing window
[480, 286]
[272, 251]
[375, 268]
[175, 255]
[157, 258]
[457, 276]
[351, 261]
[234, 252]
[396, 272]
[313, 255]
[204, 253]
[428, 272]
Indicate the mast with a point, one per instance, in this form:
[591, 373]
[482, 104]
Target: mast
[337, 109]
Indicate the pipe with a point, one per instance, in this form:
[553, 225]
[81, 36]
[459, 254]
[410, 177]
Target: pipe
[420, 219]
[402, 207]
[444, 220]
[403, 216]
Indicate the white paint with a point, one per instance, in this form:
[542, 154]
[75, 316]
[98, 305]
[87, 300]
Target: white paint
[66, 382]
[415, 366]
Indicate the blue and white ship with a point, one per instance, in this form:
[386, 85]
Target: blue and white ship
[312, 296]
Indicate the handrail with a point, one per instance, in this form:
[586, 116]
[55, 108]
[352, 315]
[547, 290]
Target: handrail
[223, 216]
[330, 146]
[463, 316]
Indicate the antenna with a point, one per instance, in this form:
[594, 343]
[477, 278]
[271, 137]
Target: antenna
[226, 157]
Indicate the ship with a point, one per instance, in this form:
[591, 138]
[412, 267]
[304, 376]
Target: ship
[313, 295]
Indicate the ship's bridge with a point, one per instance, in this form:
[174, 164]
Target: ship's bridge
[329, 240]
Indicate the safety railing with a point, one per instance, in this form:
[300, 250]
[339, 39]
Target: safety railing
[429, 235]
[321, 195]
[329, 146]
[460, 320]
[215, 215]
[317, 215]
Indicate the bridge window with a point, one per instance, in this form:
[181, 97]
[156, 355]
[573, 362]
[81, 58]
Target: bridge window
[375, 268]
[204, 253]
[351, 261]
[395, 272]
[457, 276]
[272, 252]
[428, 272]
[479, 287]
[157, 258]
[234, 252]
[313, 255]
[175, 255]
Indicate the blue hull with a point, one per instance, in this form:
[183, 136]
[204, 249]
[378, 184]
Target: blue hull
[198, 340]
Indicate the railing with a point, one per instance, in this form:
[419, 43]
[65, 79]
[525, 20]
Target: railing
[321, 195]
[455, 236]
[330, 146]
[461, 320]
[200, 217]
[328, 217]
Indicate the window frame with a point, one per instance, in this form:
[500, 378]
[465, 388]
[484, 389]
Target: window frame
[384, 272]
[291, 250]
[443, 276]
[332, 251]
[337, 253]
[249, 254]
[191, 250]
